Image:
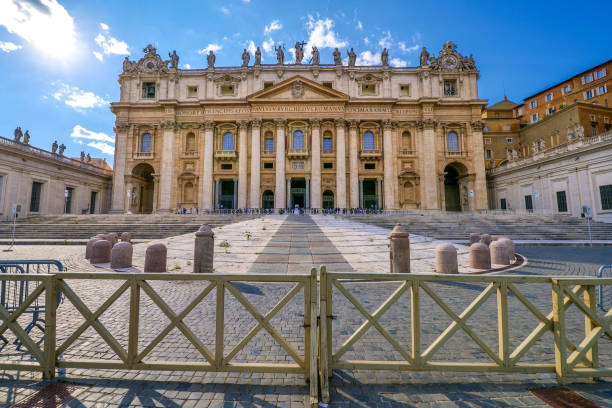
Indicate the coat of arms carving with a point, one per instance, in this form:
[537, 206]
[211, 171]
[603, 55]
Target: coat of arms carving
[298, 89]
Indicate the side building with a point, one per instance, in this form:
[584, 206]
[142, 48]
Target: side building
[307, 134]
[47, 183]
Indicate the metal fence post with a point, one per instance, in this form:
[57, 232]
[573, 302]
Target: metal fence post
[50, 325]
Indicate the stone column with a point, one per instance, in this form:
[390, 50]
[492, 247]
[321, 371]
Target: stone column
[167, 166]
[217, 193]
[288, 192]
[315, 201]
[353, 164]
[242, 164]
[388, 158]
[235, 193]
[430, 180]
[119, 170]
[360, 193]
[307, 195]
[480, 182]
[255, 201]
[156, 179]
[379, 192]
[279, 193]
[340, 164]
[207, 177]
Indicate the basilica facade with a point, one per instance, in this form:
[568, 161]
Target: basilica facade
[309, 134]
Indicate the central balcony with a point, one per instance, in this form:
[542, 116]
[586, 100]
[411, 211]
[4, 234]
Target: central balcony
[226, 154]
[297, 153]
[370, 154]
[143, 155]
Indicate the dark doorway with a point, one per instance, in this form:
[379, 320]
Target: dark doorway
[142, 196]
[370, 198]
[267, 200]
[328, 199]
[92, 200]
[226, 196]
[451, 189]
[68, 204]
[298, 193]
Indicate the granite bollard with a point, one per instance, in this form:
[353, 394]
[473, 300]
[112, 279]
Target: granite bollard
[126, 237]
[121, 255]
[89, 247]
[499, 252]
[485, 239]
[100, 252]
[480, 257]
[204, 249]
[474, 237]
[399, 250]
[155, 258]
[509, 247]
[446, 259]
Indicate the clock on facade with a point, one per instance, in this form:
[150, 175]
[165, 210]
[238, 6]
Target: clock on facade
[449, 61]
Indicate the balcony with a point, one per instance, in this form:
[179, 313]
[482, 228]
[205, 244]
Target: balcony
[226, 154]
[297, 153]
[143, 155]
[370, 154]
[456, 153]
[190, 154]
[267, 153]
[407, 152]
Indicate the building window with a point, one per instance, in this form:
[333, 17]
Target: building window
[148, 90]
[404, 90]
[519, 112]
[268, 84]
[602, 90]
[528, 203]
[227, 90]
[486, 128]
[226, 166]
[190, 143]
[502, 204]
[566, 89]
[328, 165]
[298, 140]
[297, 165]
[587, 78]
[268, 142]
[549, 97]
[487, 140]
[228, 141]
[533, 104]
[550, 111]
[600, 74]
[327, 142]
[268, 165]
[489, 154]
[450, 87]
[452, 142]
[328, 85]
[594, 130]
[192, 91]
[35, 197]
[534, 118]
[588, 94]
[368, 141]
[506, 127]
[605, 193]
[369, 166]
[509, 140]
[145, 143]
[561, 201]
[368, 89]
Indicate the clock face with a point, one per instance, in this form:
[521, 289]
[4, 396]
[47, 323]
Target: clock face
[449, 61]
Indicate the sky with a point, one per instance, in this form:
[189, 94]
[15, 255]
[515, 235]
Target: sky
[60, 60]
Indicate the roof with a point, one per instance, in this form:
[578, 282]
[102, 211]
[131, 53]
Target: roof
[503, 105]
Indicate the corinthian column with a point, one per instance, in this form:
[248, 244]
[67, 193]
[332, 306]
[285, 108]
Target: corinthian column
[166, 177]
[480, 182]
[207, 174]
[315, 188]
[353, 165]
[340, 164]
[118, 200]
[279, 191]
[255, 164]
[388, 164]
[242, 164]
[430, 178]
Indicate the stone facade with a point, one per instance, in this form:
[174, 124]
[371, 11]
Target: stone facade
[286, 134]
[44, 183]
[501, 133]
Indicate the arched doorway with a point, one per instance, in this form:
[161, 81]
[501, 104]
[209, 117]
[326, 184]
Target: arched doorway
[267, 200]
[141, 195]
[328, 199]
[454, 185]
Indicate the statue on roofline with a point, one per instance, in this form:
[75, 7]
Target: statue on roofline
[258, 56]
[245, 58]
[337, 57]
[384, 57]
[54, 147]
[280, 55]
[174, 59]
[299, 53]
[26, 137]
[352, 57]
[210, 58]
[315, 56]
[18, 134]
[62, 148]
[424, 56]
[82, 156]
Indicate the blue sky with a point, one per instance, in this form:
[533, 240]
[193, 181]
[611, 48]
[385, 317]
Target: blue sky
[59, 61]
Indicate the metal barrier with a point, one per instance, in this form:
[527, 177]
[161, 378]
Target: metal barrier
[604, 294]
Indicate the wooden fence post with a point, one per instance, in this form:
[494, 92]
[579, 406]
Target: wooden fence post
[591, 302]
[314, 371]
[324, 345]
[558, 297]
[502, 323]
[134, 321]
[50, 325]
[415, 318]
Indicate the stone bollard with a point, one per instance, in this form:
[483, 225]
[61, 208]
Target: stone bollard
[155, 258]
[89, 247]
[446, 259]
[480, 258]
[121, 255]
[204, 250]
[485, 239]
[509, 247]
[100, 252]
[474, 237]
[499, 253]
[399, 250]
[126, 237]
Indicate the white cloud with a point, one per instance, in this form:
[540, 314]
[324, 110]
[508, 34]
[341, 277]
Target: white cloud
[273, 26]
[9, 46]
[225, 10]
[402, 46]
[77, 98]
[110, 45]
[366, 40]
[367, 58]
[268, 46]
[386, 41]
[104, 26]
[359, 26]
[98, 55]
[396, 62]
[252, 48]
[79, 132]
[246, 1]
[321, 35]
[210, 47]
[103, 147]
[44, 23]
[187, 66]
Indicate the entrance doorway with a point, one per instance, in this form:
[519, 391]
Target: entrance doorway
[298, 193]
[267, 200]
[226, 195]
[141, 197]
[68, 204]
[328, 199]
[454, 183]
[92, 201]
[370, 198]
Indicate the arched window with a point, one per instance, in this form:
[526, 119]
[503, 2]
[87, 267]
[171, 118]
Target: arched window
[298, 140]
[190, 143]
[268, 142]
[228, 141]
[406, 140]
[368, 141]
[145, 143]
[453, 142]
[327, 141]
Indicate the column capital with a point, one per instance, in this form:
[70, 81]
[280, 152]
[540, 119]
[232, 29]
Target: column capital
[315, 123]
[243, 124]
[280, 122]
[353, 124]
[122, 127]
[207, 125]
[477, 125]
[427, 123]
[340, 122]
[256, 123]
[389, 124]
[170, 124]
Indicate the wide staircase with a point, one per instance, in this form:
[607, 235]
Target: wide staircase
[142, 227]
[458, 226]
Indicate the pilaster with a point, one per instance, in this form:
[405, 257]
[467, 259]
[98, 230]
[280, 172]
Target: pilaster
[430, 183]
[280, 193]
[169, 129]
[119, 193]
[254, 197]
[242, 164]
[315, 189]
[353, 165]
[340, 164]
[480, 182]
[389, 191]
[207, 177]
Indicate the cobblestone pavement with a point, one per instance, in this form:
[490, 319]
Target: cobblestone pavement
[348, 387]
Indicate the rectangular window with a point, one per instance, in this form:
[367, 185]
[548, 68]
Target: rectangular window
[226, 166]
[297, 165]
[268, 165]
[489, 154]
[268, 84]
[92, 202]
[227, 90]
[68, 204]
[486, 128]
[588, 94]
[605, 192]
[327, 144]
[369, 166]
[298, 140]
[192, 91]
[268, 144]
[509, 140]
[404, 90]
[528, 203]
[550, 111]
[502, 204]
[519, 112]
[534, 118]
[602, 90]
[566, 89]
[561, 201]
[601, 73]
[594, 130]
[533, 104]
[35, 197]
[328, 165]
[506, 127]
[587, 78]
[148, 90]
[549, 97]
[328, 85]
[450, 87]
[487, 140]
[368, 89]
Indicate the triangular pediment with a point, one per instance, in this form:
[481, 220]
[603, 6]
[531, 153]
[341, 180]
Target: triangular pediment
[298, 89]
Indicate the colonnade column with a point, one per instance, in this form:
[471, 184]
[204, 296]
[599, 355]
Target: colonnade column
[340, 164]
[235, 192]
[379, 192]
[279, 191]
[353, 165]
[388, 164]
[167, 166]
[480, 182]
[217, 193]
[360, 193]
[119, 193]
[307, 195]
[255, 164]
[207, 175]
[242, 164]
[288, 192]
[315, 201]
[430, 171]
